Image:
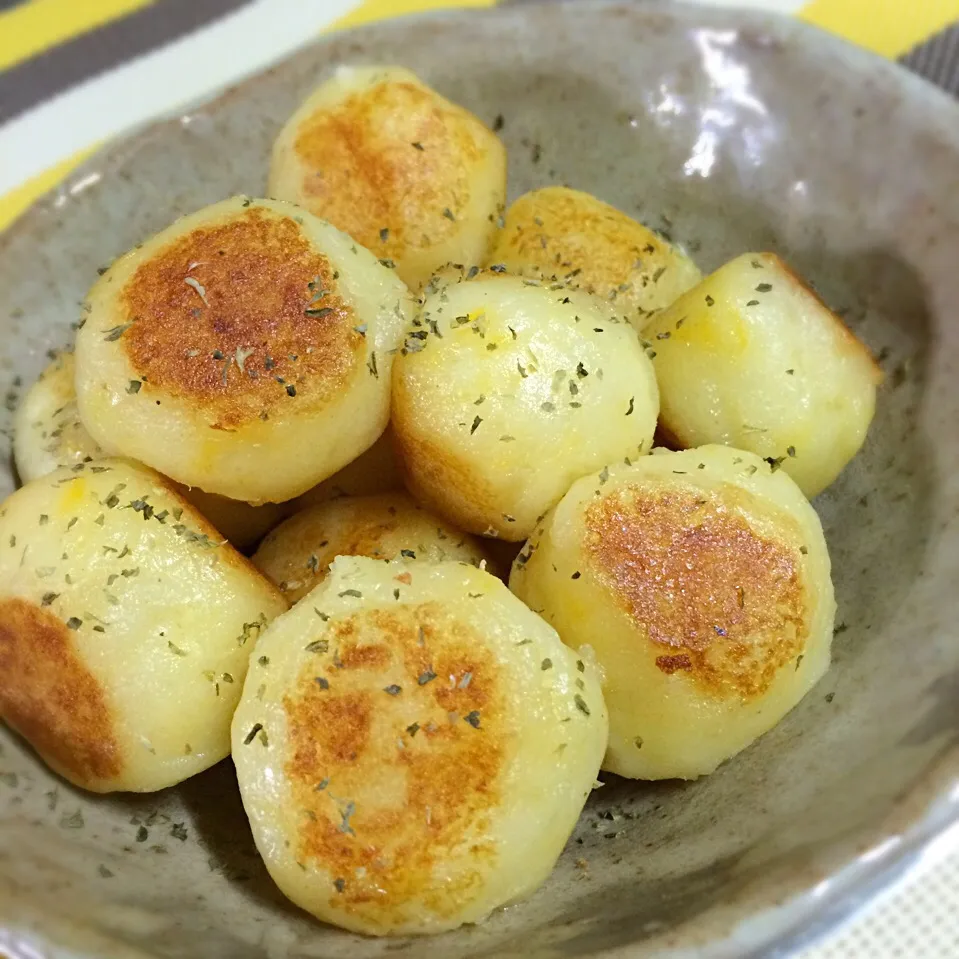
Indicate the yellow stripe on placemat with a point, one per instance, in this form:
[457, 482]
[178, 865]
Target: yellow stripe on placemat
[889, 27]
[371, 10]
[36, 26]
[14, 203]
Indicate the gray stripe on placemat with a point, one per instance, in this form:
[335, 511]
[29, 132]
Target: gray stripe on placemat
[8, 4]
[89, 54]
[937, 59]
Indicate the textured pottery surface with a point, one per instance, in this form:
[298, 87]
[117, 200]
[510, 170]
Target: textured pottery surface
[731, 132]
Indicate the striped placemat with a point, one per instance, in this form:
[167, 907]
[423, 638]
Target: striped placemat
[75, 73]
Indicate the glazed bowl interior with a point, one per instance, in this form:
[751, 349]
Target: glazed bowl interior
[729, 132]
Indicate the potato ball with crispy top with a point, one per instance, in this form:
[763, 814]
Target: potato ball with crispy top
[702, 581]
[573, 238]
[418, 180]
[246, 350]
[414, 746]
[126, 627]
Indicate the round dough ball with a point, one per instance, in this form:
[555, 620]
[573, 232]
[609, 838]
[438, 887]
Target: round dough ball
[506, 392]
[752, 358]
[573, 238]
[411, 763]
[375, 471]
[296, 556]
[411, 176]
[125, 627]
[246, 350]
[702, 581]
[47, 432]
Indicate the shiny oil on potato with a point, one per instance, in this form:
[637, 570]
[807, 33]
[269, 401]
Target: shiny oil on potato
[702, 581]
[752, 358]
[505, 392]
[296, 556]
[416, 179]
[573, 238]
[48, 434]
[126, 627]
[414, 746]
[245, 350]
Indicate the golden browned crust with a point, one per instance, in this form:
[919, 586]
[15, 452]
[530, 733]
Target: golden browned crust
[392, 781]
[717, 600]
[364, 173]
[249, 334]
[50, 697]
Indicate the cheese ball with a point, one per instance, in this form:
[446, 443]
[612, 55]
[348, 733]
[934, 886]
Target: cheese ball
[414, 747]
[506, 392]
[702, 581]
[752, 358]
[296, 556]
[126, 627]
[375, 471]
[573, 238]
[411, 176]
[48, 434]
[245, 350]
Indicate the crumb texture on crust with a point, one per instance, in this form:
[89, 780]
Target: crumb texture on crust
[437, 727]
[363, 173]
[716, 598]
[50, 697]
[240, 317]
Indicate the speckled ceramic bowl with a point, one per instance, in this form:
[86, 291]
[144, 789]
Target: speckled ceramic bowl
[731, 131]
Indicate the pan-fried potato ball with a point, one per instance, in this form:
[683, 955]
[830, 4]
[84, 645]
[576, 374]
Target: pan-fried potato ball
[752, 358]
[416, 179]
[702, 581]
[575, 239]
[414, 746]
[246, 350]
[296, 556]
[125, 627]
[506, 392]
[375, 471]
[48, 434]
